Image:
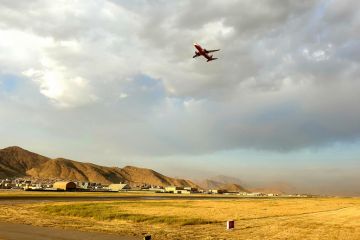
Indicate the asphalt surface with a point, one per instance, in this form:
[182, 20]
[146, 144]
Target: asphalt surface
[12, 231]
[37, 199]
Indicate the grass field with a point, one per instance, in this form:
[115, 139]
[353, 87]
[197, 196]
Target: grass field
[272, 218]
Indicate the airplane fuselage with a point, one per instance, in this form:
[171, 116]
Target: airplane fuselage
[203, 52]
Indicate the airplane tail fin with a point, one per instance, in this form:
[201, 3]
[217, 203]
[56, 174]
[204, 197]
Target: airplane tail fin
[197, 54]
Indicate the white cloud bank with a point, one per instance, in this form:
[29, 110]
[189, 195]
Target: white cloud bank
[119, 75]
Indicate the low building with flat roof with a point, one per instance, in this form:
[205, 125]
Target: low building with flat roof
[173, 189]
[217, 191]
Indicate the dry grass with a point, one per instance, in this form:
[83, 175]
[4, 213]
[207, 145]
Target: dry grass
[277, 218]
[107, 211]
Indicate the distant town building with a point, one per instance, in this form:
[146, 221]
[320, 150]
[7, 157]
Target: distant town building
[257, 194]
[157, 190]
[243, 193]
[173, 189]
[191, 189]
[119, 187]
[83, 185]
[217, 191]
[184, 192]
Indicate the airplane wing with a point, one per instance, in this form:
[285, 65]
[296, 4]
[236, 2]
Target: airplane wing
[211, 59]
[210, 51]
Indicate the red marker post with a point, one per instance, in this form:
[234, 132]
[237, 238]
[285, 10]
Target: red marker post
[230, 224]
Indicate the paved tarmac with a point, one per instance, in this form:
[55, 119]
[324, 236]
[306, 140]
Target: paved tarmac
[38, 199]
[12, 231]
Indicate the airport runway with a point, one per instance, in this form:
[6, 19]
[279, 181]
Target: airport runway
[12, 231]
[34, 199]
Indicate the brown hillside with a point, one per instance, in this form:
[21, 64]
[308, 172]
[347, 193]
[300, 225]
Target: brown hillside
[230, 187]
[278, 188]
[147, 176]
[227, 179]
[72, 170]
[15, 161]
[18, 162]
[210, 184]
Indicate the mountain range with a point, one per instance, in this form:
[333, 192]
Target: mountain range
[220, 184]
[18, 162]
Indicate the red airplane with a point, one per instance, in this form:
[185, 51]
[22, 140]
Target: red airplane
[203, 52]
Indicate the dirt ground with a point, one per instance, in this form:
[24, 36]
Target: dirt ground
[12, 231]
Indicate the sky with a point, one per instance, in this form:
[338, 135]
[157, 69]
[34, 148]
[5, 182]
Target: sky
[114, 83]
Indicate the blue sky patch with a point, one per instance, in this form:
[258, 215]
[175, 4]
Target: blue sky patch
[9, 82]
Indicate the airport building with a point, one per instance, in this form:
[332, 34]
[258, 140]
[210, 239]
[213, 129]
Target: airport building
[119, 187]
[65, 186]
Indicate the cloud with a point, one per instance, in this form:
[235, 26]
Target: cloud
[56, 84]
[119, 75]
